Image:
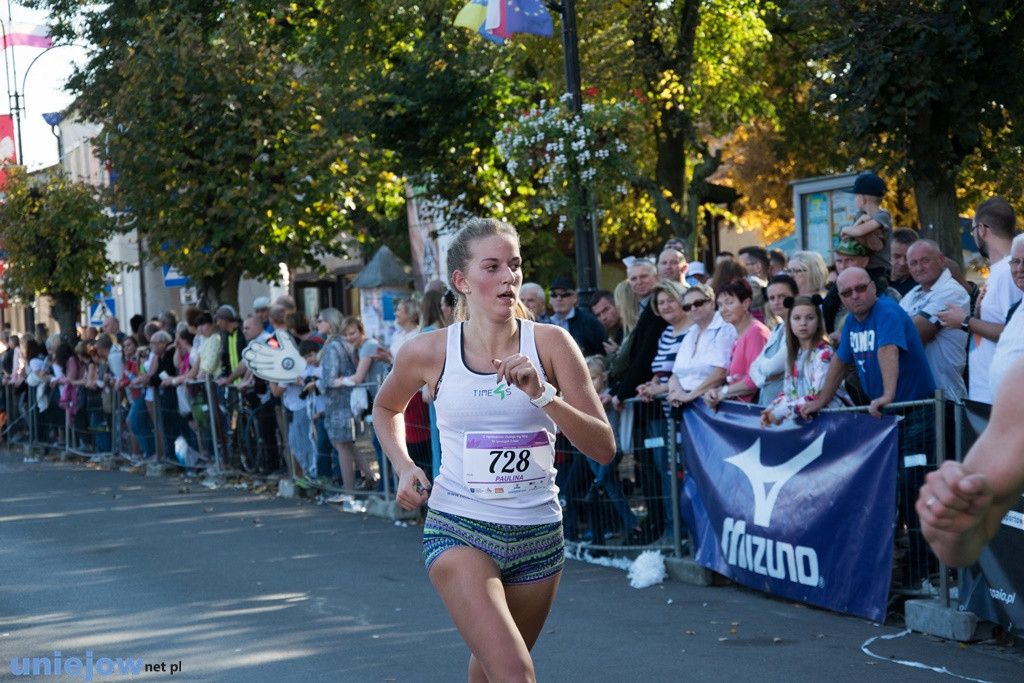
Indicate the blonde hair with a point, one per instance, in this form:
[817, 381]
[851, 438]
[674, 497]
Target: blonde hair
[817, 271]
[673, 289]
[628, 304]
[353, 321]
[459, 255]
[411, 308]
[597, 363]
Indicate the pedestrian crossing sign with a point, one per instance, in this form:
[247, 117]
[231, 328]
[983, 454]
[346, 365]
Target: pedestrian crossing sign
[99, 310]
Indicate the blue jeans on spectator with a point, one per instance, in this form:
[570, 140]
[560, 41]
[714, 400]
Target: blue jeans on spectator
[326, 462]
[142, 426]
[606, 477]
[300, 441]
[658, 428]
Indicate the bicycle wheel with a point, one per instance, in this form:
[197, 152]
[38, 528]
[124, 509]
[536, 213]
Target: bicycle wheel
[250, 451]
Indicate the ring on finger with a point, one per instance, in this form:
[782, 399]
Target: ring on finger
[928, 503]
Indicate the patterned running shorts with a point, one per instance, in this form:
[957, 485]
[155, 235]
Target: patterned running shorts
[523, 553]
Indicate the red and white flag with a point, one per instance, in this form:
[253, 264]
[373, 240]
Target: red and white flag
[26, 33]
[8, 150]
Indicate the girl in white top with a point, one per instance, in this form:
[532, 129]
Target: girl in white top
[484, 375]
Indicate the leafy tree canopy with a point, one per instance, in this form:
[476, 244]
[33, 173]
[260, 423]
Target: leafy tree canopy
[55, 233]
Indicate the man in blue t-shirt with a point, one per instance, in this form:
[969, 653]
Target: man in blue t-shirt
[881, 339]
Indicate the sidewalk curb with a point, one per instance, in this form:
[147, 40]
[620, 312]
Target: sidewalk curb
[932, 617]
[686, 570]
[379, 507]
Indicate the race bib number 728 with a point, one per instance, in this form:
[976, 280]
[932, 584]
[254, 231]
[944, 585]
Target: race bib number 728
[503, 465]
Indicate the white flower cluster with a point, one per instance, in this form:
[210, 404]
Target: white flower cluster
[555, 149]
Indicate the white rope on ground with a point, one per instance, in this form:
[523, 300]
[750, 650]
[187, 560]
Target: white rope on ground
[916, 665]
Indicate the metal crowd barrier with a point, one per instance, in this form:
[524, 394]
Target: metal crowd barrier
[20, 419]
[614, 510]
[90, 432]
[645, 486]
[366, 445]
[923, 444]
[93, 431]
[633, 503]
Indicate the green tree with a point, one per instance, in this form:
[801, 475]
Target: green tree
[55, 233]
[918, 85]
[692, 71]
[219, 138]
[697, 68]
[422, 100]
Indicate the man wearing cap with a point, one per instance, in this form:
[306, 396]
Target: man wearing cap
[698, 272]
[232, 343]
[261, 308]
[872, 226]
[583, 327]
[945, 348]
[847, 254]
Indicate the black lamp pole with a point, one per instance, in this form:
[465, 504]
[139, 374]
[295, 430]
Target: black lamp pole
[588, 263]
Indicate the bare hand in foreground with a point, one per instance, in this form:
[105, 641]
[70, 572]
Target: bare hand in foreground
[952, 506]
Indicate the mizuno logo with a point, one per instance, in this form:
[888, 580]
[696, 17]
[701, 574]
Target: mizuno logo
[767, 482]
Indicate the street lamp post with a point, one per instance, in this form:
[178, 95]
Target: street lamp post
[588, 262]
[53, 120]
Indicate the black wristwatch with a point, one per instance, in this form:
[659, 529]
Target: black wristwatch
[966, 324]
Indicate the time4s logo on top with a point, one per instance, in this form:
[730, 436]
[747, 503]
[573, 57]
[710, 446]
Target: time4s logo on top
[803, 510]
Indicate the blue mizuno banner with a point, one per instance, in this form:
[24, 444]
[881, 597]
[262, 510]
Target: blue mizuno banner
[804, 510]
[994, 588]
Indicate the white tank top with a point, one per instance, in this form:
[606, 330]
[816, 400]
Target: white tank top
[497, 448]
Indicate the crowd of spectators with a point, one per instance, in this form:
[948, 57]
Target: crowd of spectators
[887, 319]
[884, 318]
[153, 382]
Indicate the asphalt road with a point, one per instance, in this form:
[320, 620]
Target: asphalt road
[231, 585]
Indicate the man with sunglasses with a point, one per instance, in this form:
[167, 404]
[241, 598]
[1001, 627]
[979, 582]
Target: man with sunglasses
[583, 327]
[881, 339]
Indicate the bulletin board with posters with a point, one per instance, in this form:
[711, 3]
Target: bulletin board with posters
[377, 311]
[821, 208]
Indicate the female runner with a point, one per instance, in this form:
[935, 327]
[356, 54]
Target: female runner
[492, 539]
